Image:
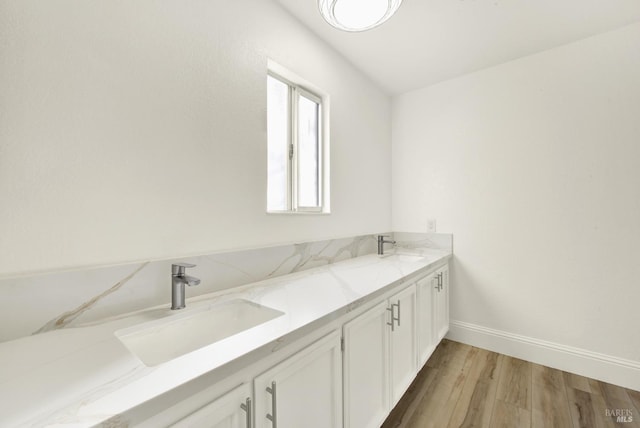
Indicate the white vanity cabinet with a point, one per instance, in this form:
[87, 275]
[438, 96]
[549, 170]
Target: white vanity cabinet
[232, 410]
[305, 390]
[366, 368]
[379, 359]
[351, 377]
[432, 312]
[427, 295]
[441, 303]
[403, 343]
[301, 390]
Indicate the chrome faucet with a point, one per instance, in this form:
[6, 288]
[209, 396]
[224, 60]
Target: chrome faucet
[381, 242]
[178, 281]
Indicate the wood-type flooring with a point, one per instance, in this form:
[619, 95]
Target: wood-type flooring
[465, 386]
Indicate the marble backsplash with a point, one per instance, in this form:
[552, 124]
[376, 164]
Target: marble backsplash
[418, 241]
[47, 302]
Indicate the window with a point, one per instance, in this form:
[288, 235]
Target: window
[296, 148]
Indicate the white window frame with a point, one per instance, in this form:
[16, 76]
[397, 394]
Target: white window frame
[297, 87]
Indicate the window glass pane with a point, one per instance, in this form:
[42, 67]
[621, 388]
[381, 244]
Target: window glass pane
[308, 153]
[278, 144]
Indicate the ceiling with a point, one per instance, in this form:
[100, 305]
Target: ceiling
[429, 41]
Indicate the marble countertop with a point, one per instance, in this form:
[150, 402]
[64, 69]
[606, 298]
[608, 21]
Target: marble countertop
[81, 376]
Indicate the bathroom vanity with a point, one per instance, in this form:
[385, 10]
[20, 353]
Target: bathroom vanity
[332, 346]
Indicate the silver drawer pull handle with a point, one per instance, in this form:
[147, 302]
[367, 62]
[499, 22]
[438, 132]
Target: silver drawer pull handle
[393, 315]
[246, 406]
[273, 417]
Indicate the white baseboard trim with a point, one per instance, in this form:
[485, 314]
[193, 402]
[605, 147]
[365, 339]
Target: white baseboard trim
[618, 371]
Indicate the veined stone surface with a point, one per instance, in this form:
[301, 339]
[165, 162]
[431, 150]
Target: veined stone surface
[53, 301]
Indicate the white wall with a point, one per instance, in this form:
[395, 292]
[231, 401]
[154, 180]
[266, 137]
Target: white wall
[534, 166]
[134, 130]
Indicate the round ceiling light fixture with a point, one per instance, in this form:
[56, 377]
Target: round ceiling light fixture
[357, 15]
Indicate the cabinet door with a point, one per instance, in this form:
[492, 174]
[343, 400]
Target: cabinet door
[225, 412]
[426, 290]
[305, 390]
[403, 342]
[442, 305]
[366, 368]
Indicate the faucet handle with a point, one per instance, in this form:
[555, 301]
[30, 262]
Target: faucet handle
[178, 268]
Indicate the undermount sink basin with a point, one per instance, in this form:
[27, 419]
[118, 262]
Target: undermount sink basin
[163, 340]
